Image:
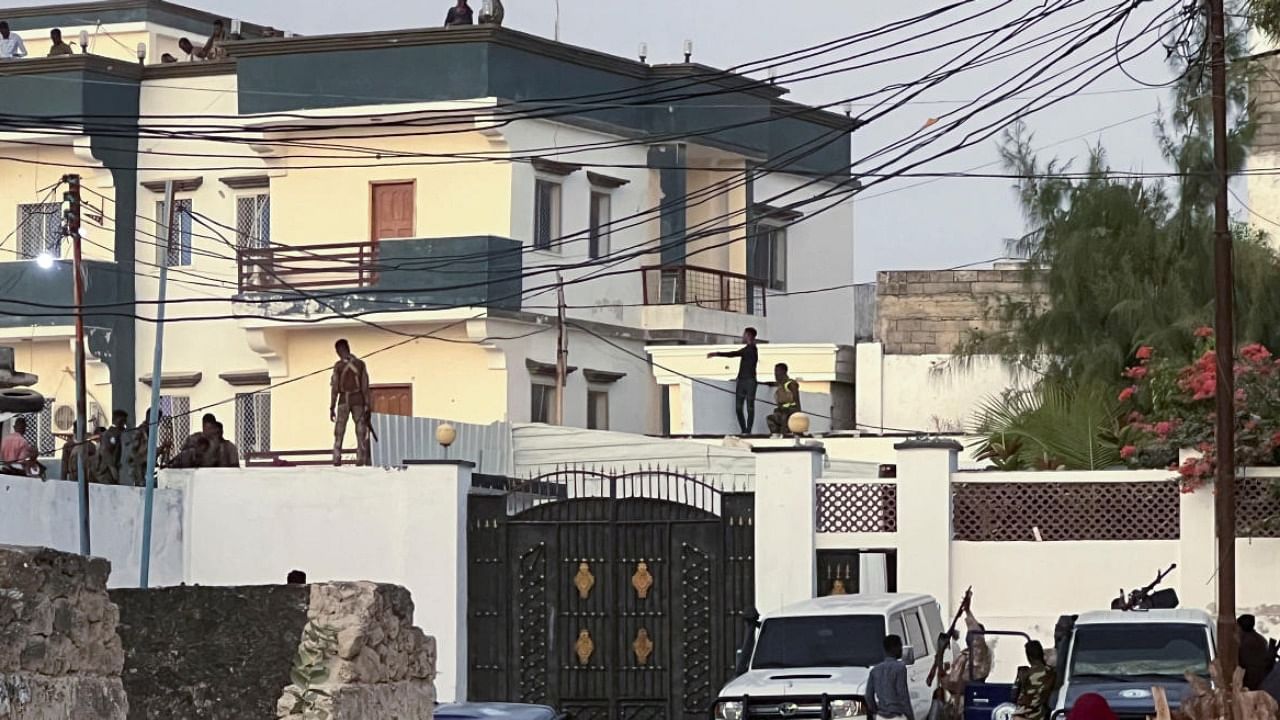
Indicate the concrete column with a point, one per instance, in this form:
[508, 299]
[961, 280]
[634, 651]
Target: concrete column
[924, 516]
[448, 482]
[786, 524]
[869, 386]
[1197, 576]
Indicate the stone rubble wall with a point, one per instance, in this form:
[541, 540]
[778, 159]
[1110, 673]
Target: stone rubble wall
[931, 312]
[382, 666]
[60, 655]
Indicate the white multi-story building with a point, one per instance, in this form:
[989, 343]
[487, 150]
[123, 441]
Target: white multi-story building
[418, 192]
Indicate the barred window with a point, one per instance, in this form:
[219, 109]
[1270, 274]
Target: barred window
[178, 250]
[253, 422]
[253, 221]
[40, 429]
[39, 230]
[176, 423]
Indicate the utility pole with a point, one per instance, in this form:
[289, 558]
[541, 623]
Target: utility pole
[152, 422]
[1224, 291]
[562, 351]
[71, 217]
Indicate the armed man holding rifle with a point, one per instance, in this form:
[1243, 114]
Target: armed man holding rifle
[350, 398]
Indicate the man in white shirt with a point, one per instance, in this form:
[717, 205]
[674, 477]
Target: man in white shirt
[11, 46]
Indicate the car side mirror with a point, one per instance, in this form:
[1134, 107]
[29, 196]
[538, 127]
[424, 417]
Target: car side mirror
[909, 655]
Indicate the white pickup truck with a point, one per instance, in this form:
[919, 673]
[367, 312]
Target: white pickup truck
[1121, 655]
[820, 652]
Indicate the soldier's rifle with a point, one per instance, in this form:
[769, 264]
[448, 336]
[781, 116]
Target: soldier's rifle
[940, 656]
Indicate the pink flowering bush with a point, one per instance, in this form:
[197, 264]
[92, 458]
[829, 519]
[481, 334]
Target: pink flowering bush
[1171, 406]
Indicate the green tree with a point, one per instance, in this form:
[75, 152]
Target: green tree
[1128, 262]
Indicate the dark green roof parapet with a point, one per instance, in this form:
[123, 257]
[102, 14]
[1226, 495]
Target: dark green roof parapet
[107, 12]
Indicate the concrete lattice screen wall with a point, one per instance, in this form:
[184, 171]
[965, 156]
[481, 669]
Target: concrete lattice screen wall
[1098, 532]
[931, 312]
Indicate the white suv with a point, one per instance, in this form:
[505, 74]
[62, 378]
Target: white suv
[821, 651]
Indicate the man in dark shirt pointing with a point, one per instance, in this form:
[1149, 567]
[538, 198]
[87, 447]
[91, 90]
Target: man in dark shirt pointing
[744, 394]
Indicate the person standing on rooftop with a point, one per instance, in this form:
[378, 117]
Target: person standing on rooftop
[459, 14]
[11, 45]
[59, 47]
[744, 394]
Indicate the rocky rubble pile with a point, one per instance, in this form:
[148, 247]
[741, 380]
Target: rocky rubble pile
[379, 664]
[60, 655]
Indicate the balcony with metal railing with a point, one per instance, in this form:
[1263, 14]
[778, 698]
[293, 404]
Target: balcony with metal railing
[428, 273]
[703, 287]
[701, 299]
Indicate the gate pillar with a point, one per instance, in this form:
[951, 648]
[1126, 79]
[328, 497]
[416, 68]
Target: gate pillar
[448, 590]
[786, 524]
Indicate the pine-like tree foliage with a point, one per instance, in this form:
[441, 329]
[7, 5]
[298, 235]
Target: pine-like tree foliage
[1129, 262]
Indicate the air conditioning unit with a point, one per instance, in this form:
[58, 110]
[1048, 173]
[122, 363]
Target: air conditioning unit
[64, 418]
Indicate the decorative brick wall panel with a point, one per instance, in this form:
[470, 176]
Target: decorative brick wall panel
[1065, 511]
[923, 312]
[1257, 508]
[857, 507]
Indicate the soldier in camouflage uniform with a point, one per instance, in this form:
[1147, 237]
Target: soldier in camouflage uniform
[977, 653]
[349, 398]
[1034, 685]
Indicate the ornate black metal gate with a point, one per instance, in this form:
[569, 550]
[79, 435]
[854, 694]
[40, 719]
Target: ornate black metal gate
[611, 597]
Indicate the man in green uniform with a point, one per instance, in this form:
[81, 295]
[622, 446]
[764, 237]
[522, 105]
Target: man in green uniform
[787, 398]
[1034, 685]
[349, 398]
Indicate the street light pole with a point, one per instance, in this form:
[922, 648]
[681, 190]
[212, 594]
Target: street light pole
[1224, 296]
[152, 422]
[72, 219]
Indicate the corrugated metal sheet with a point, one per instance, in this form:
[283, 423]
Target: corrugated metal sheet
[538, 449]
[412, 438]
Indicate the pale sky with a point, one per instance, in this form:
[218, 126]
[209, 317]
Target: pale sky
[935, 225]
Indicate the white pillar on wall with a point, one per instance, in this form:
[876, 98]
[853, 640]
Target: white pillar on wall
[924, 516]
[869, 381]
[1197, 574]
[450, 483]
[786, 524]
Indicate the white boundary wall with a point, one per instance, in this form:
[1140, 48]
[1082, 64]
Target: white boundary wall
[47, 514]
[1026, 585]
[403, 526]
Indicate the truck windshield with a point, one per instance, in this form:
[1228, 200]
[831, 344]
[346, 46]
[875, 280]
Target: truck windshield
[820, 641]
[1139, 649]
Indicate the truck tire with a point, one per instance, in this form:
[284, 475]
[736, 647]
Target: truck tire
[21, 400]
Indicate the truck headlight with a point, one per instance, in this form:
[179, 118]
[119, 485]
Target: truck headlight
[841, 709]
[729, 710]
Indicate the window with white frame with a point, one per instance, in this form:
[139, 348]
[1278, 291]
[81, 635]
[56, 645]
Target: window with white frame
[546, 213]
[771, 255]
[39, 230]
[542, 402]
[175, 423]
[253, 422]
[601, 216]
[597, 409]
[178, 250]
[253, 221]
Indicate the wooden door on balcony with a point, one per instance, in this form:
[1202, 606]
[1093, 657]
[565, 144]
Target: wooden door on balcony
[391, 213]
[392, 399]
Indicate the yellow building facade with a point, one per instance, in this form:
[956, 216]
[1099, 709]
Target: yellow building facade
[327, 188]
